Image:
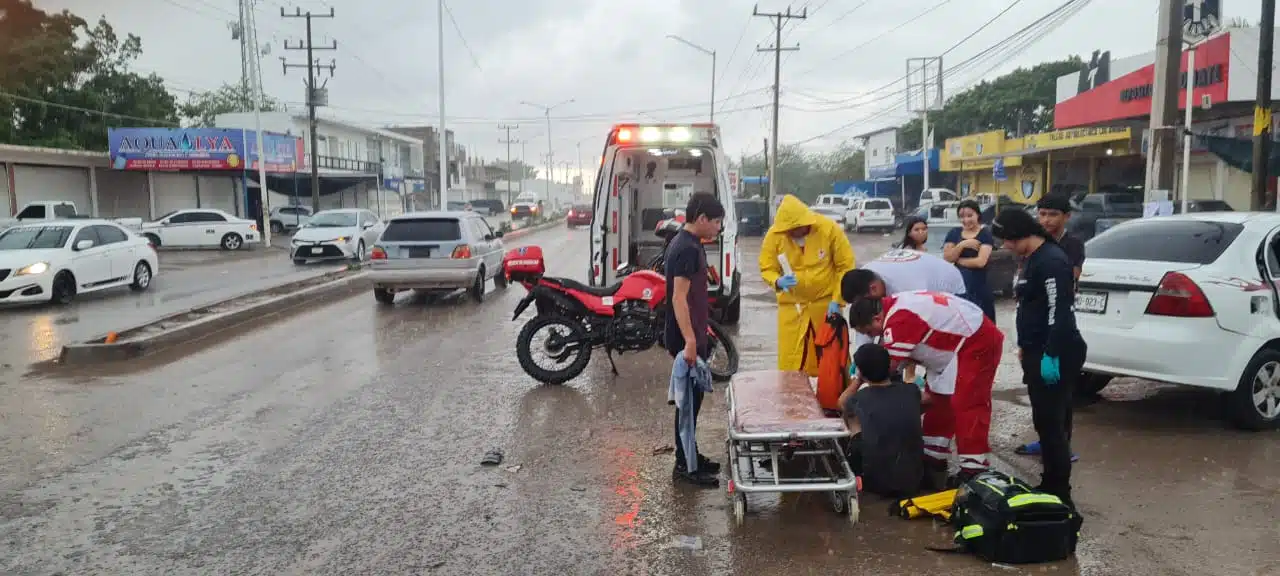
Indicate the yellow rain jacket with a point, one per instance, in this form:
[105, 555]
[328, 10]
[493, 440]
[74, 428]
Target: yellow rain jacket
[818, 265]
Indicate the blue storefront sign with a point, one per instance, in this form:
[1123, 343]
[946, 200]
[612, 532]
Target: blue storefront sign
[997, 170]
[176, 149]
[392, 183]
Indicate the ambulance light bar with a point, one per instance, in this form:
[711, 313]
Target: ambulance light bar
[664, 133]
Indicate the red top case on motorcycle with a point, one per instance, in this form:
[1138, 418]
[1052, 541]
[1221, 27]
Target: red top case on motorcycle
[524, 264]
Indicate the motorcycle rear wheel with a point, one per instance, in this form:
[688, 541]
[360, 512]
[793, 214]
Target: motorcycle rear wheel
[721, 339]
[568, 328]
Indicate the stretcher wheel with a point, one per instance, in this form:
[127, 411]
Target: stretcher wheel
[739, 507]
[839, 501]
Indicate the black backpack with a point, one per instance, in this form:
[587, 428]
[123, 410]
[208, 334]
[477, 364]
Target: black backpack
[1002, 519]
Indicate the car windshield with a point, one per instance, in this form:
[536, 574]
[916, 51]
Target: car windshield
[165, 216]
[422, 230]
[332, 220]
[35, 238]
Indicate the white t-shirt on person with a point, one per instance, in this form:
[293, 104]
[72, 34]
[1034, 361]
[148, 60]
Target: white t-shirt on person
[906, 270]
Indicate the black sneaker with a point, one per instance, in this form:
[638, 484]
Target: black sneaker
[708, 465]
[700, 478]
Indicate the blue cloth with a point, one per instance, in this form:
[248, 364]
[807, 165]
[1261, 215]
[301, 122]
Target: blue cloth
[1050, 369]
[685, 380]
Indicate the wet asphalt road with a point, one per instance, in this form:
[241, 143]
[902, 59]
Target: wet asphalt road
[347, 441]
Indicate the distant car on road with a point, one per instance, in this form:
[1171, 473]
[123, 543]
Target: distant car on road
[201, 228]
[579, 215]
[753, 217]
[345, 233]
[1095, 213]
[51, 210]
[833, 206]
[436, 252]
[288, 218]
[55, 261]
[874, 213]
[459, 206]
[1189, 299]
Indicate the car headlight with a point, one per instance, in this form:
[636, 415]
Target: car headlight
[341, 239]
[37, 268]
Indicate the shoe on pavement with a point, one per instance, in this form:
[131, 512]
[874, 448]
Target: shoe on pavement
[701, 479]
[704, 465]
[1033, 449]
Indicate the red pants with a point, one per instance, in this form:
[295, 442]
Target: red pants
[966, 415]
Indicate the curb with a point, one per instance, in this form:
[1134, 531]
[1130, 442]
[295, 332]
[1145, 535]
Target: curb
[543, 226]
[97, 350]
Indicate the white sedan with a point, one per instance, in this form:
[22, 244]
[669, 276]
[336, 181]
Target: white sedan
[1189, 299]
[53, 262]
[201, 228]
[347, 233]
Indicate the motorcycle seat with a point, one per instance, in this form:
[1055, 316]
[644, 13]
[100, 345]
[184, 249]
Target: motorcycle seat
[609, 290]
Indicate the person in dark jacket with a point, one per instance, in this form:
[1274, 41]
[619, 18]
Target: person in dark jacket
[1050, 348]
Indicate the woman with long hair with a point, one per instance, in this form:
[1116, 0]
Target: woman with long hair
[969, 247]
[916, 234]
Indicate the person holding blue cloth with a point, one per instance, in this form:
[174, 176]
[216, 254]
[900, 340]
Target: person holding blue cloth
[1050, 348]
[969, 247]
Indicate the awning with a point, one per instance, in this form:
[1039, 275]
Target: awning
[298, 184]
[876, 187]
[906, 164]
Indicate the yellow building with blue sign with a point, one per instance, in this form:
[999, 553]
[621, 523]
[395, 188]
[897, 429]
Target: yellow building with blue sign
[1023, 169]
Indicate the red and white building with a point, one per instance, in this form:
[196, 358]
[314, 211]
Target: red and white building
[1118, 93]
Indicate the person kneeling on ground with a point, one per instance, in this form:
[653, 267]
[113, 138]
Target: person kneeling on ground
[888, 448]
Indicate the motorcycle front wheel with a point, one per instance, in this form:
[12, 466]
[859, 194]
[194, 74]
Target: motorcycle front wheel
[723, 359]
[564, 343]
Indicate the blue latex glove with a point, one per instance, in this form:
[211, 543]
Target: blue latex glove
[787, 282]
[853, 370]
[833, 308]
[1050, 370]
[920, 381]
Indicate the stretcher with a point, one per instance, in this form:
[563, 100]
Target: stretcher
[775, 416]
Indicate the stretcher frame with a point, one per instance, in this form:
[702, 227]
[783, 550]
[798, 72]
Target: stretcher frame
[820, 448]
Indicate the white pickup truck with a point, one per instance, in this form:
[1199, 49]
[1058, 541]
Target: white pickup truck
[50, 210]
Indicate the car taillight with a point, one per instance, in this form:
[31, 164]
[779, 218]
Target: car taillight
[1177, 295]
[462, 252]
[253, 227]
[861, 214]
[571, 213]
[378, 253]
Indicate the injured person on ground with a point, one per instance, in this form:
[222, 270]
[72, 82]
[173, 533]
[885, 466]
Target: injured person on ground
[887, 449]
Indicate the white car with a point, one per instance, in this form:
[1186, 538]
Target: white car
[288, 218]
[201, 228]
[833, 206]
[55, 261]
[347, 233]
[1189, 299]
[876, 213]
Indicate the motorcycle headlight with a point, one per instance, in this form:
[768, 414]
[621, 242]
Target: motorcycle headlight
[37, 268]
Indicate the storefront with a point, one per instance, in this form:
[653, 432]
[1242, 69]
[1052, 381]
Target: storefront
[1119, 93]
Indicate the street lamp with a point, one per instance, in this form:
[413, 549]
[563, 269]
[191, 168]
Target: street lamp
[712, 54]
[547, 110]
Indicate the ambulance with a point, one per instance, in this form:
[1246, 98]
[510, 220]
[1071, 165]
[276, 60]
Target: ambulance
[648, 172]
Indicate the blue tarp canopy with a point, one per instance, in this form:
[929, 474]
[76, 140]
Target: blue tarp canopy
[906, 164]
[755, 180]
[877, 188]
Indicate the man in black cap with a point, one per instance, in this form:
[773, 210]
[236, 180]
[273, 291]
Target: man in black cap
[1054, 212]
[1050, 348]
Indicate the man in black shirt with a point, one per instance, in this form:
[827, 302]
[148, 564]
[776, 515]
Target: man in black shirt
[887, 451]
[690, 311]
[1050, 348]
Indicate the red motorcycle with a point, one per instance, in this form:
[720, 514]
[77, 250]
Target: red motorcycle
[573, 318]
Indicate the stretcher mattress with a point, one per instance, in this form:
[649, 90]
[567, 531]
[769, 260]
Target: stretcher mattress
[776, 402]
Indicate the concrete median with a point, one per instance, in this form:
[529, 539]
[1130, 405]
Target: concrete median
[202, 322]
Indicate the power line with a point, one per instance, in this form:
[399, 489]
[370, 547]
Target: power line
[462, 37]
[86, 110]
[877, 37]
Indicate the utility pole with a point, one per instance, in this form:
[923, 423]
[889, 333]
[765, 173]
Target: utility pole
[264, 192]
[550, 152]
[929, 89]
[1164, 102]
[1262, 109]
[779, 20]
[523, 167]
[444, 133]
[315, 97]
[508, 141]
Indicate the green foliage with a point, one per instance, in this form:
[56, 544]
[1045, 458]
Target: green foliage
[58, 58]
[1022, 99]
[201, 108]
[806, 175]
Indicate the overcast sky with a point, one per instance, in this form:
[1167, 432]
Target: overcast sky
[612, 58]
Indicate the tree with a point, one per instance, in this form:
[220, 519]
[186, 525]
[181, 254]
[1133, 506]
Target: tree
[201, 108]
[1021, 100]
[64, 83]
[806, 175]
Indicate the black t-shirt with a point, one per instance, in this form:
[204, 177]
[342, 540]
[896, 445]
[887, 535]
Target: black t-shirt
[686, 258]
[892, 442]
[1046, 296]
[1074, 249]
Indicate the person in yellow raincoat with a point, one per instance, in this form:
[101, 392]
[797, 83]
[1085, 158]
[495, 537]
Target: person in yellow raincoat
[819, 254]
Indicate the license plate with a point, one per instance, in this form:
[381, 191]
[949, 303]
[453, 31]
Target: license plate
[317, 250]
[1091, 302]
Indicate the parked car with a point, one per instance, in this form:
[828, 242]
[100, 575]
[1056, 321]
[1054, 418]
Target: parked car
[753, 217]
[345, 233]
[51, 210]
[1188, 299]
[459, 206]
[289, 218]
[1095, 213]
[436, 252]
[833, 206]
[493, 205]
[201, 228]
[875, 213]
[55, 261]
[579, 215]
[1203, 206]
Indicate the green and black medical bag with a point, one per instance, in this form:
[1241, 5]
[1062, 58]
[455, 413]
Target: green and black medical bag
[1002, 519]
